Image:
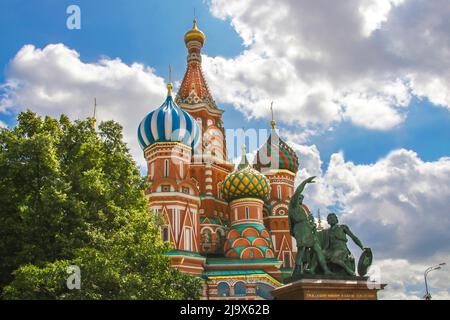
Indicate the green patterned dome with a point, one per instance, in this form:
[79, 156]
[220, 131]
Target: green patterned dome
[246, 182]
[276, 154]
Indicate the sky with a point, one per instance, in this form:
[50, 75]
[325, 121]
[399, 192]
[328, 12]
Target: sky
[361, 91]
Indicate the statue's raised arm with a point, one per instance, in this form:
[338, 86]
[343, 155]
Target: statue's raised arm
[300, 189]
[303, 231]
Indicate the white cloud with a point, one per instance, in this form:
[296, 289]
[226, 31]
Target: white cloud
[375, 13]
[400, 196]
[405, 279]
[254, 81]
[435, 89]
[54, 80]
[331, 61]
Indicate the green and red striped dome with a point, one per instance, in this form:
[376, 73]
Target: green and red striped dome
[276, 154]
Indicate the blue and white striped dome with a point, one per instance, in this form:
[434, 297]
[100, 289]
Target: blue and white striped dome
[168, 123]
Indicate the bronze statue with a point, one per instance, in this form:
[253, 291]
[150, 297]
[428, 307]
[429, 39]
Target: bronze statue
[327, 248]
[334, 243]
[303, 230]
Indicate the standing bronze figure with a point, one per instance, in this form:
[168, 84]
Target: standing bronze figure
[334, 243]
[304, 233]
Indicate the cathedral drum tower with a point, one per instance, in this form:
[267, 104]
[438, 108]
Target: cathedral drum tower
[168, 135]
[248, 269]
[209, 162]
[279, 163]
[246, 189]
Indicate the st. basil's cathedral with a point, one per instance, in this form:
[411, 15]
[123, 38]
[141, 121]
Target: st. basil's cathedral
[229, 226]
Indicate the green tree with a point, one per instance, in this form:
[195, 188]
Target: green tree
[70, 195]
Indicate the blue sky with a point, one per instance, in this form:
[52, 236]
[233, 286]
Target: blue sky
[150, 32]
[378, 81]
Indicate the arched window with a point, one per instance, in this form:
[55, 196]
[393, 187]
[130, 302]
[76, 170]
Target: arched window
[223, 289]
[219, 239]
[188, 239]
[219, 190]
[165, 233]
[166, 168]
[240, 289]
[279, 192]
[176, 221]
[247, 213]
[287, 259]
[206, 237]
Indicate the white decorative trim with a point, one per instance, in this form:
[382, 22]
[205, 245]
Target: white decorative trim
[171, 194]
[186, 266]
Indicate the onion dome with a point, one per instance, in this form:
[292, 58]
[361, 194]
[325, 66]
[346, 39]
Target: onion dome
[168, 123]
[276, 154]
[248, 241]
[195, 34]
[245, 182]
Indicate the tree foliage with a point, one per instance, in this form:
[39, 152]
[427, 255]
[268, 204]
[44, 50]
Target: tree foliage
[71, 195]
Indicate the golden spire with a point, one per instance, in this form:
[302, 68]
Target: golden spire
[195, 34]
[94, 119]
[244, 161]
[273, 123]
[169, 89]
[170, 85]
[319, 221]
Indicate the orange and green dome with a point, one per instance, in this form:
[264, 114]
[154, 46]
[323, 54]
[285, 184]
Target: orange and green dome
[248, 241]
[245, 182]
[276, 154]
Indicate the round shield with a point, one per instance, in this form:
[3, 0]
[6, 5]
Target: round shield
[365, 261]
